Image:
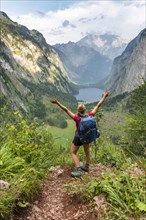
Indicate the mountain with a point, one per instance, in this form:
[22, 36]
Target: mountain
[109, 45]
[129, 70]
[29, 67]
[83, 64]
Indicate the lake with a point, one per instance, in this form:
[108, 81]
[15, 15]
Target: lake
[89, 94]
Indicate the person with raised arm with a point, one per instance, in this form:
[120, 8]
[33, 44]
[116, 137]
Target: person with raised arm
[76, 143]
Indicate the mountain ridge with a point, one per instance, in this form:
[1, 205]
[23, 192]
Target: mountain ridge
[25, 57]
[84, 64]
[128, 70]
[29, 62]
[109, 45]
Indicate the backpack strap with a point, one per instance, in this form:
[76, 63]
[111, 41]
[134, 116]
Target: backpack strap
[84, 116]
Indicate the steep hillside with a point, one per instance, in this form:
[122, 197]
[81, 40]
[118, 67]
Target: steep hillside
[129, 70]
[84, 64]
[106, 44]
[28, 62]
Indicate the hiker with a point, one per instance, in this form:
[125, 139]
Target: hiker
[81, 112]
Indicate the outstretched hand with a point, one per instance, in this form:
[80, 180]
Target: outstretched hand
[106, 93]
[54, 101]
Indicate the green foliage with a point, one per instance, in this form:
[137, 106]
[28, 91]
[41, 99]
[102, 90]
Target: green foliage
[28, 150]
[37, 108]
[6, 114]
[10, 164]
[57, 122]
[125, 193]
[25, 155]
[124, 190]
[136, 121]
[110, 154]
[112, 102]
[44, 109]
[125, 121]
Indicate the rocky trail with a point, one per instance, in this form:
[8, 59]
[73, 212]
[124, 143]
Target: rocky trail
[53, 203]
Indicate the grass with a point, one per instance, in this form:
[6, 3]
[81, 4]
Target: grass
[25, 156]
[123, 189]
[62, 136]
[62, 142]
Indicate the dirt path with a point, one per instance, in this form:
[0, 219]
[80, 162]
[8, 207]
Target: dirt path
[54, 204]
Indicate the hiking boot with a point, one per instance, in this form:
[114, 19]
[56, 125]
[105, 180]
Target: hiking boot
[77, 173]
[85, 168]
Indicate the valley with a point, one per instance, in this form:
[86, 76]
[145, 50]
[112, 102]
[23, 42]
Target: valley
[36, 135]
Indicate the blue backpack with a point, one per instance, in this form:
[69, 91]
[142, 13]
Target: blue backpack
[87, 129]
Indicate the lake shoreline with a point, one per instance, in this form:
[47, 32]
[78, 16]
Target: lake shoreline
[84, 86]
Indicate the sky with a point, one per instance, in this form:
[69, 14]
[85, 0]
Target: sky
[63, 21]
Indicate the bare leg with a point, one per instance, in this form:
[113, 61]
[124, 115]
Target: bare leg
[74, 150]
[87, 153]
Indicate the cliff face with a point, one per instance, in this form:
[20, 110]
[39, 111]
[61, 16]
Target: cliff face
[89, 60]
[26, 58]
[129, 69]
[84, 64]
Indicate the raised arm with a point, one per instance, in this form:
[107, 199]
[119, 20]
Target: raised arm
[55, 101]
[95, 109]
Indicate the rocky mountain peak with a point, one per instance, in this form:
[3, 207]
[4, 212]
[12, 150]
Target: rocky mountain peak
[109, 45]
[39, 37]
[83, 64]
[3, 15]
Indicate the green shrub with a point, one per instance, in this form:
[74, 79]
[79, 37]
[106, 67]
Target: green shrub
[125, 193]
[110, 154]
[25, 156]
[136, 121]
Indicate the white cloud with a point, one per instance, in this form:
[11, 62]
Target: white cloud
[125, 18]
